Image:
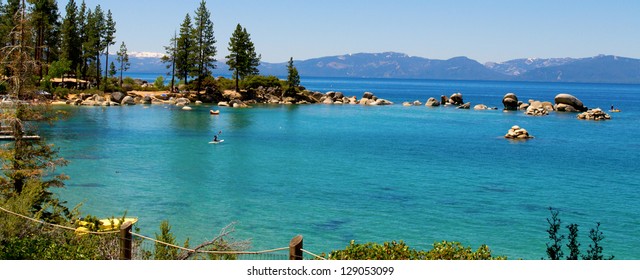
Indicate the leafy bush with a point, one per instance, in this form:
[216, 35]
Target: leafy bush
[400, 251]
[253, 82]
[225, 84]
[159, 83]
[61, 92]
[22, 239]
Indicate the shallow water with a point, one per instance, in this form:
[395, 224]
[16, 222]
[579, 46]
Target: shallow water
[334, 173]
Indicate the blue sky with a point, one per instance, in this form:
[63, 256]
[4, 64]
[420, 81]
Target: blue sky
[496, 30]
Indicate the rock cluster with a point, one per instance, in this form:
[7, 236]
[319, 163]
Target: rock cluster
[537, 108]
[454, 99]
[517, 132]
[594, 114]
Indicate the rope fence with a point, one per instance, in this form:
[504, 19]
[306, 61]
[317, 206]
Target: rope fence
[137, 246]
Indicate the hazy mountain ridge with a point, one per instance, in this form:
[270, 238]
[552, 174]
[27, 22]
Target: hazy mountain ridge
[597, 69]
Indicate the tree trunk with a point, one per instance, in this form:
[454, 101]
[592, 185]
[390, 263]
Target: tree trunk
[106, 65]
[237, 79]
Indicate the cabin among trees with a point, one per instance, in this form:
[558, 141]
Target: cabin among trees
[70, 83]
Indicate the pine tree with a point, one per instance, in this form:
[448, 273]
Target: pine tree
[81, 70]
[109, 39]
[184, 54]
[242, 58]
[170, 59]
[8, 21]
[94, 43]
[16, 56]
[112, 70]
[204, 47]
[71, 43]
[46, 24]
[293, 78]
[123, 60]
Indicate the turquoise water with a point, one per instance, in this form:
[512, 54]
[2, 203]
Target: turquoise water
[334, 173]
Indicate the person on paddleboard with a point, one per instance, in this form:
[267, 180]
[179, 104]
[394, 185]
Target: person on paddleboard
[215, 137]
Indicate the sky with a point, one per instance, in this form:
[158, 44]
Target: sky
[486, 31]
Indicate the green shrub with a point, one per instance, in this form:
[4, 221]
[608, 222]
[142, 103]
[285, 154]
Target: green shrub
[159, 83]
[400, 251]
[253, 82]
[225, 84]
[61, 92]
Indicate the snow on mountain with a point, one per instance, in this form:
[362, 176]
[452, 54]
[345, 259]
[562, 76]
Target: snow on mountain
[146, 54]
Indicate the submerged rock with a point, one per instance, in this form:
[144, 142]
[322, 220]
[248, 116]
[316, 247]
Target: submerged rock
[480, 107]
[465, 106]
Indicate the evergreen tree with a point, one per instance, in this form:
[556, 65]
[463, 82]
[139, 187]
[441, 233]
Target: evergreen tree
[46, 24]
[170, 59]
[123, 60]
[112, 70]
[8, 16]
[242, 58]
[16, 56]
[94, 43]
[293, 78]
[109, 39]
[81, 70]
[71, 44]
[184, 53]
[204, 47]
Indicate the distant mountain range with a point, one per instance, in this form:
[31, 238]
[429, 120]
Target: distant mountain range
[597, 69]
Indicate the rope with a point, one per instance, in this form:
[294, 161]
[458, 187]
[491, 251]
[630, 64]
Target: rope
[314, 255]
[210, 252]
[158, 241]
[54, 225]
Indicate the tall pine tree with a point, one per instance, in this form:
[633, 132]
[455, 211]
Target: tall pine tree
[123, 60]
[242, 58]
[184, 52]
[46, 25]
[204, 47]
[108, 40]
[95, 39]
[170, 59]
[71, 42]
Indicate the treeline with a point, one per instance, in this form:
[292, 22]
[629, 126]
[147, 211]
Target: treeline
[58, 47]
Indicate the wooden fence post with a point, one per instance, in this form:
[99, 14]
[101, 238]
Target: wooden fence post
[295, 248]
[126, 241]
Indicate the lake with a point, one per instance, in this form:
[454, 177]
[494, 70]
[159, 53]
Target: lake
[336, 173]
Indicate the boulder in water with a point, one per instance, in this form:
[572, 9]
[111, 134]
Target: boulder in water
[568, 99]
[510, 102]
